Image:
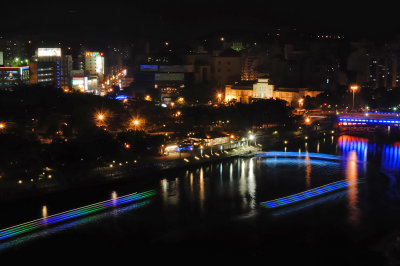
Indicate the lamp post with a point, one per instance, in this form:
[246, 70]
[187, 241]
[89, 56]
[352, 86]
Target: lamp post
[353, 88]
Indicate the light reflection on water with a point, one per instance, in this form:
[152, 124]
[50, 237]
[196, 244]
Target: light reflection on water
[352, 176]
[25, 239]
[237, 187]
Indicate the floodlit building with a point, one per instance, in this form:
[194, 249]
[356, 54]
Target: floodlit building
[246, 91]
[241, 92]
[262, 89]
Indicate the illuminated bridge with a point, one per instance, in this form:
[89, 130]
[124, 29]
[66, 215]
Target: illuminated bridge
[369, 119]
[43, 223]
[314, 193]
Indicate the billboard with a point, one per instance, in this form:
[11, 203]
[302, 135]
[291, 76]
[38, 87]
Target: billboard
[1, 58]
[148, 67]
[169, 76]
[172, 68]
[93, 54]
[43, 52]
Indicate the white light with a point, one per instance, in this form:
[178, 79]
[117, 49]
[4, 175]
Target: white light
[42, 52]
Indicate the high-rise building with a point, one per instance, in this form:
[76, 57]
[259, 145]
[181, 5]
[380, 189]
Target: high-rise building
[94, 70]
[51, 68]
[94, 64]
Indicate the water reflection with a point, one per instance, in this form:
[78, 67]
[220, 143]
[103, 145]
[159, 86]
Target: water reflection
[351, 176]
[389, 154]
[252, 184]
[23, 240]
[202, 196]
[308, 172]
[44, 211]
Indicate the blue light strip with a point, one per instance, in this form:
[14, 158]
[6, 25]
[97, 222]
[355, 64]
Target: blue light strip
[68, 215]
[308, 194]
[310, 155]
[370, 121]
[381, 113]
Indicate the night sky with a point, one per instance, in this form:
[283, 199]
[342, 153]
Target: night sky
[193, 19]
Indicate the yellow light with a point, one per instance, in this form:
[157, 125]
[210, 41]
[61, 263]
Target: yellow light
[100, 117]
[2, 126]
[354, 87]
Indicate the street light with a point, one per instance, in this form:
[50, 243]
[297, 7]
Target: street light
[252, 137]
[354, 88]
[100, 117]
[219, 95]
[301, 100]
[136, 123]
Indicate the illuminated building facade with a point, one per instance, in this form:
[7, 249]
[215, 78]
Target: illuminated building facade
[246, 91]
[51, 68]
[241, 92]
[13, 76]
[94, 64]
[94, 70]
[80, 84]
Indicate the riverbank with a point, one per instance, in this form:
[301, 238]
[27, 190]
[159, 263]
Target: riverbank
[117, 173]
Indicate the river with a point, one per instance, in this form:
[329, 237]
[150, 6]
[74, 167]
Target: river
[213, 212]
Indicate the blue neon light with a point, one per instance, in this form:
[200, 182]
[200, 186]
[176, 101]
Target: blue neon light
[121, 97]
[311, 155]
[370, 121]
[186, 148]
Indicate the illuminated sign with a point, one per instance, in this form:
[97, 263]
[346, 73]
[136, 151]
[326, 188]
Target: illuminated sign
[1, 58]
[148, 67]
[93, 54]
[169, 76]
[43, 52]
[172, 68]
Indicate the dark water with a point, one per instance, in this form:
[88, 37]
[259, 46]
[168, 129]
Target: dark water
[213, 213]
